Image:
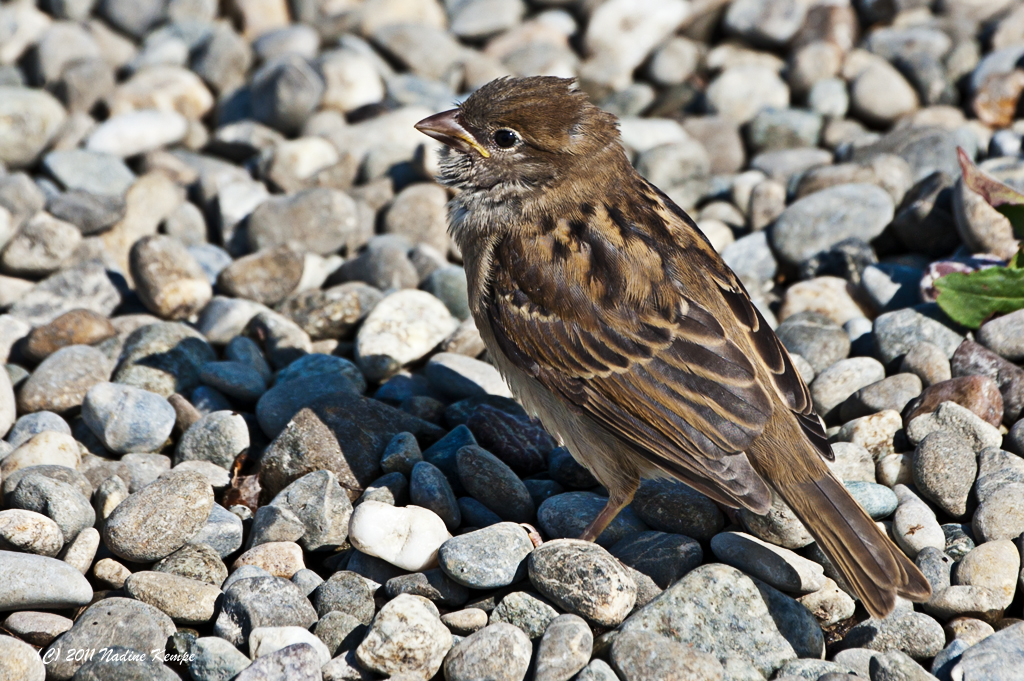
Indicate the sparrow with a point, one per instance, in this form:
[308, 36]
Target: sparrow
[616, 323]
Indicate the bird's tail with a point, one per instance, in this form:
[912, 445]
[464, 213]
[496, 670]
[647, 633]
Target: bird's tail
[872, 565]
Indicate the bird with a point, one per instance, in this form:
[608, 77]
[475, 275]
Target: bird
[616, 323]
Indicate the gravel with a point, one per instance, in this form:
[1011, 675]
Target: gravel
[230, 311]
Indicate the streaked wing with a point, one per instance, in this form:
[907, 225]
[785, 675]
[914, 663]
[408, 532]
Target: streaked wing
[601, 309]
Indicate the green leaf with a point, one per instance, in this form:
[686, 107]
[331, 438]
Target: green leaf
[970, 299]
[1017, 261]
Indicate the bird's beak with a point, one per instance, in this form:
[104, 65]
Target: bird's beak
[445, 128]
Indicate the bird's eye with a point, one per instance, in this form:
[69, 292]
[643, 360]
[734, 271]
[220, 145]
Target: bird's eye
[506, 139]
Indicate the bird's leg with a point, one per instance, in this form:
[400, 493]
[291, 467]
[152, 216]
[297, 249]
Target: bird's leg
[618, 500]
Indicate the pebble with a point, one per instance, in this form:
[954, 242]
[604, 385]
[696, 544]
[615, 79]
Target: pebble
[488, 558]
[61, 502]
[30, 581]
[584, 579]
[137, 132]
[30, 532]
[318, 220]
[852, 462]
[778, 526]
[37, 628]
[47, 448]
[77, 327]
[775, 565]
[891, 393]
[914, 633]
[661, 556]
[896, 333]
[980, 394]
[278, 558]
[829, 604]
[499, 651]
[526, 611]
[877, 500]
[407, 637]
[645, 656]
[186, 601]
[85, 286]
[1001, 514]
[405, 537]
[973, 359]
[267, 276]
[914, 525]
[62, 380]
[852, 210]
[491, 482]
[265, 641]
[160, 518]
[127, 419]
[168, 279]
[199, 562]
[944, 470]
[32, 118]
[718, 609]
[428, 488]
[840, 381]
[958, 421]
[86, 171]
[262, 601]
[742, 91]
[402, 328]
[40, 247]
[994, 565]
[815, 337]
[163, 358]
[564, 649]
[568, 514]
[994, 657]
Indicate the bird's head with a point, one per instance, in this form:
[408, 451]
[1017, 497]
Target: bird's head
[518, 135]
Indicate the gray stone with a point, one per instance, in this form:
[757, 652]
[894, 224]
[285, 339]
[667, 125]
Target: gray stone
[944, 470]
[32, 118]
[491, 482]
[814, 337]
[127, 419]
[216, 659]
[62, 380]
[524, 610]
[564, 649]
[84, 286]
[488, 558]
[584, 579]
[218, 437]
[646, 656]
[61, 502]
[406, 636]
[499, 651]
[567, 515]
[672, 506]
[163, 358]
[87, 171]
[261, 602]
[877, 500]
[779, 567]
[29, 582]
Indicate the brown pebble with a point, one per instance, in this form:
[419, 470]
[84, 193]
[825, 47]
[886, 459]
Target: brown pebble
[77, 327]
[971, 358]
[980, 394]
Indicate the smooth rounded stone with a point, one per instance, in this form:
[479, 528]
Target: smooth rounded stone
[274, 524]
[830, 296]
[160, 518]
[972, 359]
[499, 651]
[853, 462]
[37, 628]
[278, 558]
[866, 102]
[402, 454]
[894, 393]
[295, 661]
[87, 171]
[222, 531]
[385, 264]
[877, 500]
[77, 327]
[345, 592]
[136, 132]
[994, 565]
[979, 394]
[944, 470]
[526, 610]
[168, 280]
[541, 490]
[775, 565]
[186, 601]
[402, 328]
[928, 362]
[45, 449]
[30, 425]
[829, 604]
[645, 656]
[405, 537]
[61, 473]
[959, 422]
[267, 276]
[234, 379]
[225, 318]
[81, 286]
[914, 526]
[285, 92]
[91, 213]
[837, 383]
[317, 366]
[61, 502]
[127, 419]
[488, 558]
[741, 91]
[1000, 336]
[429, 488]
[199, 562]
[719, 610]
[778, 526]
[320, 503]
[280, 406]
[1001, 514]
[567, 471]
[671, 506]
[520, 442]
[30, 581]
[29, 532]
[218, 437]
[996, 657]
[959, 540]
[751, 258]
[815, 337]
[60, 383]
[283, 341]
[821, 220]
[432, 584]
[32, 118]
[8, 404]
[216, 659]
[246, 351]
[896, 333]
[19, 661]
[567, 515]
[564, 649]
[465, 622]
[661, 556]
[263, 601]
[39, 247]
[936, 566]
[340, 631]
[406, 638]
[913, 633]
[584, 579]
[459, 377]
[449, 285]
[491, 482]
[163, 358]
[874, 433]
[320, 221]
[418, 213]
[774, 129]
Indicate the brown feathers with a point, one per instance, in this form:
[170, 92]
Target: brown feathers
[614, 319]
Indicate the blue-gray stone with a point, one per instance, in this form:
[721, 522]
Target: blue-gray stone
[878, 500]
[316, 366]
[234, 379]
[89, 171]
[216, 660]
[245, 350]
[212, 259]
[57, 500]
[279, 404]
[429, 488]
[127, 419]
[487, 558]
[448, 284]
[442, 454]
[30, 425]
[475, 514]
[222, 532]
[663, 557]
[567, 515]
[490, 481]
[208, 400]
